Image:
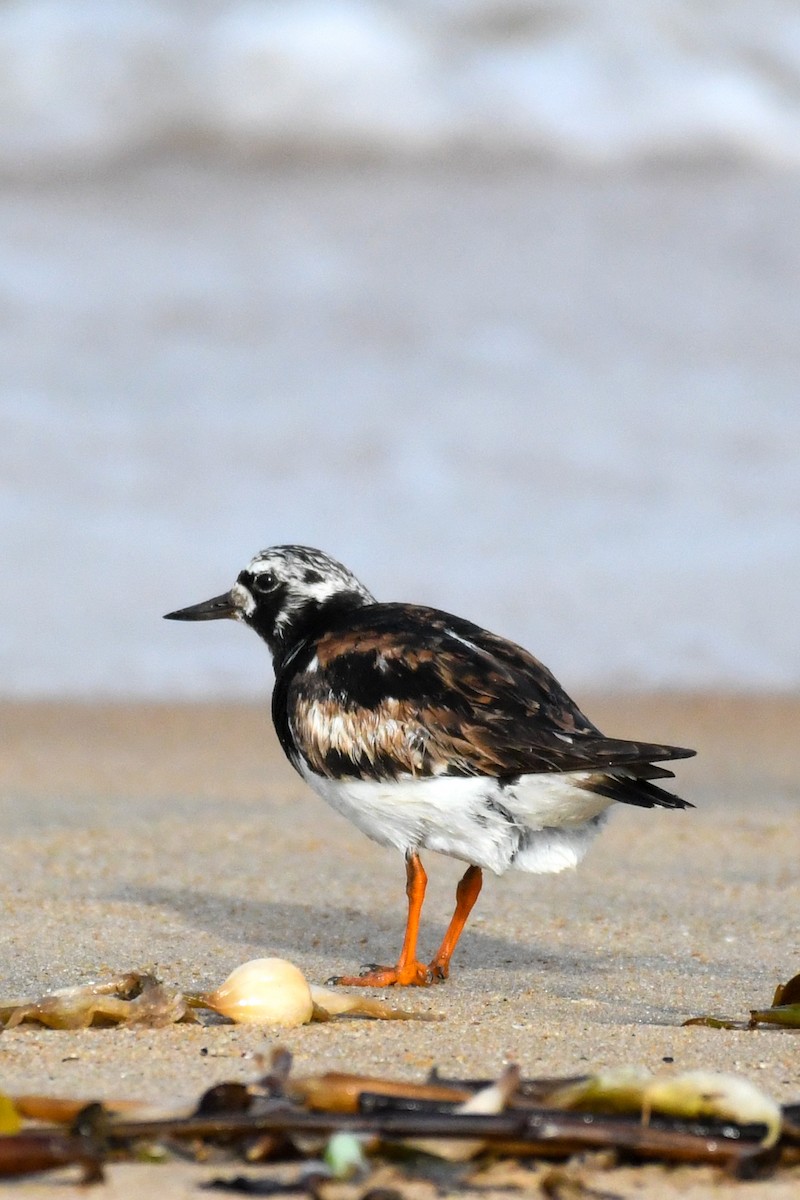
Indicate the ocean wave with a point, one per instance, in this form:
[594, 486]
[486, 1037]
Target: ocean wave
[585, 82]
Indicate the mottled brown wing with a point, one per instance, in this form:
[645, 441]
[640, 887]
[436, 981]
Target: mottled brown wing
[409, 690]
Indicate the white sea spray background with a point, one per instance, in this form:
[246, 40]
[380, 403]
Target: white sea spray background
[591, 80]
[496, 301]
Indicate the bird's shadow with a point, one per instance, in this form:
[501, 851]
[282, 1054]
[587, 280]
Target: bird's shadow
[341, 934]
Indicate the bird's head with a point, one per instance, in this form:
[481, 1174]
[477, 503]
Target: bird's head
[283, 592]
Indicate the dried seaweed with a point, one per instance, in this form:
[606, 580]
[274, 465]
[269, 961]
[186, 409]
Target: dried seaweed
[30, 1153]
[278, 1120]
[134, 998]
[784, 1011]
[787, 993]
[263, 991]
[337, 1091]
[10, 1116]
[709, 1022]
[786, 1015]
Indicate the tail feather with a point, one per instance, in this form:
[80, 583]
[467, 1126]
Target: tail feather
[637, 790]
[650, 771]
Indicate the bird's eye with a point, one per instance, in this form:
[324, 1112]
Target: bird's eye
[264, 583]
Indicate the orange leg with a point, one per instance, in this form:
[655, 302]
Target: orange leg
[408, 970]
[467, 892]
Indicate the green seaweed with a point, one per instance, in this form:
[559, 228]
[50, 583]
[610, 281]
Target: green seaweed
[786, 1015]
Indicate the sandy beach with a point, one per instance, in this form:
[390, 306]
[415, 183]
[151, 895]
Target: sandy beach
[178, 837]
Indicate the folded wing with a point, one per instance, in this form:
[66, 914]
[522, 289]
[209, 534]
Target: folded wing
[428, 694]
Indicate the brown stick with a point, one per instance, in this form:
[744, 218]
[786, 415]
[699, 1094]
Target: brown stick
[549, 1133]
[29, 1153]
[337, 1091]
[62, 1110]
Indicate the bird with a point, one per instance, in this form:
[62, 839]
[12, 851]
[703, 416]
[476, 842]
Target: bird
[431, 733]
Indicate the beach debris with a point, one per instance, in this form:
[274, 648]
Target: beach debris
[263, 991]
[709, 1022]
[308, 1181]
[784, 1011]
[339, 1091]
[133, 998]
[688, 1095]
[490, 1099]
[344, 1156]
[63, 1110]
[787, 1015]
[273, 991]
[270, 1122]
[618, 1090]
[787, 993]
[329, 1003]
[713, 1094]
[10, 1119]
[568, 1183]
[785, 1007]
[30, 1153]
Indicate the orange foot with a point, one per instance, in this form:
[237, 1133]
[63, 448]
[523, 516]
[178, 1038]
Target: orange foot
[413, 974]
[438, 971]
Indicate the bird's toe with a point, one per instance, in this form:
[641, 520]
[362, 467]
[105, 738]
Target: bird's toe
[413, 974]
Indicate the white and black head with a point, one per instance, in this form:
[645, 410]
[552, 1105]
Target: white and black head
[284, 592]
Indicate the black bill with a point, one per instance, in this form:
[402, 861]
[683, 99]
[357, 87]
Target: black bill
[208, 610]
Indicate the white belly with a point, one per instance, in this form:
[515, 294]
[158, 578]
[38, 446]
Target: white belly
[539, 823]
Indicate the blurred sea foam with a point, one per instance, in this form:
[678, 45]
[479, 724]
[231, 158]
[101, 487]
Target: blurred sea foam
[89, 81]
[342, 272]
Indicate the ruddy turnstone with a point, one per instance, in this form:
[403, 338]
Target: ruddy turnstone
[430, 733]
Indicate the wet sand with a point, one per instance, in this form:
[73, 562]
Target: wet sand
[178, 837]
